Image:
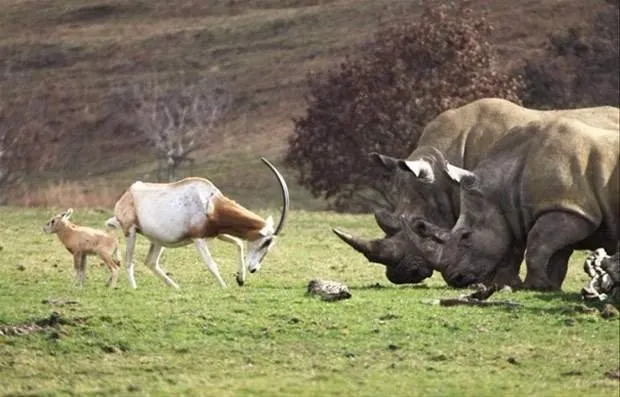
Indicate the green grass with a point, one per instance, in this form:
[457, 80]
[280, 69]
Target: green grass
[269, 339]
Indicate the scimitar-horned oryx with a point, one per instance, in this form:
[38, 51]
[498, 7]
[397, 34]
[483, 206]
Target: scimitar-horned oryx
[192, 210]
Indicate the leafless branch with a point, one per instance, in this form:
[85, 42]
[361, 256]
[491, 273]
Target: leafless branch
[179, 120]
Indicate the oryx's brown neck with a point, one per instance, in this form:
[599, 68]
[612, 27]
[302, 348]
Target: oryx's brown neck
[228, 217]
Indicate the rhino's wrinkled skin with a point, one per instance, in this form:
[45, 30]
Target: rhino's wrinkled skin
[551, 187]
[464, 135]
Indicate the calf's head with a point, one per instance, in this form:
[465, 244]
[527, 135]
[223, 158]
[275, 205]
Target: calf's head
[53, 224]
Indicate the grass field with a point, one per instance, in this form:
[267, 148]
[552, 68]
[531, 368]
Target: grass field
[269, 339]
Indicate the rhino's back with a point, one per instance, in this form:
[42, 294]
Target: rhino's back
[575, 166]
[466, 134]
[562, 164]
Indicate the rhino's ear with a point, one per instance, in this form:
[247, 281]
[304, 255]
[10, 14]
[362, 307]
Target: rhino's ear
[387, 162]
[460, 175]
[422, 169]
[424, 229]
[387, 221]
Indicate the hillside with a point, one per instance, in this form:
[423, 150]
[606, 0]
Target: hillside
[79, 55]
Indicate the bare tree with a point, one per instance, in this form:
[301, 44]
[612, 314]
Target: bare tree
[178, 118]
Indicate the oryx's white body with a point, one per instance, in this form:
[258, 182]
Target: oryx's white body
[180, 208]
[192, 210]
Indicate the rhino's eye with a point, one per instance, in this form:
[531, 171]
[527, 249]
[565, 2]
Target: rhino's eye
[465, 237]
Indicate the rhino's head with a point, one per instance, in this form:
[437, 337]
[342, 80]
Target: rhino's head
[403, 266]
[420, 191]
[478, 244]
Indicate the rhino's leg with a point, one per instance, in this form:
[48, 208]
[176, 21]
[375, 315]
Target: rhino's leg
[552, 233]
[508, 274]
[558, 266]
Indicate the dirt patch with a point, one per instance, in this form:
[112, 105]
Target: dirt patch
[101, 12]
[59, 302]
[51, 323]
[613, 374]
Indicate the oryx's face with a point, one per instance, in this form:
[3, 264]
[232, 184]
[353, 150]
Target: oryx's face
[257, 249]
[52, 225]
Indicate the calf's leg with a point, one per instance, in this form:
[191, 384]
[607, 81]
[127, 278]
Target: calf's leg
[548, 242]
[79, 264]
[113, 266]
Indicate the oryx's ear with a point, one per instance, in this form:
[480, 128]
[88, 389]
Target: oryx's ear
[461, 175]
[422, 169]
[268, 228]
[67, 214]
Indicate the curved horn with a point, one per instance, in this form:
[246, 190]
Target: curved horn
[285, 196]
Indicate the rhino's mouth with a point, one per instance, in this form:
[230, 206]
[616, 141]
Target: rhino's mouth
[418, 267]
[464, 279]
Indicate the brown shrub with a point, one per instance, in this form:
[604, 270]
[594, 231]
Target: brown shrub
[381, 99]
[579, 67]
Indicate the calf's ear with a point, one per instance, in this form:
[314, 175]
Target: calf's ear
[67, 214]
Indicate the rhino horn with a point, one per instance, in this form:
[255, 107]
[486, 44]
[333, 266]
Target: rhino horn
[368, 248]
[388, 222]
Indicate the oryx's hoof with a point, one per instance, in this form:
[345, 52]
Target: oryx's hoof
[240, 281]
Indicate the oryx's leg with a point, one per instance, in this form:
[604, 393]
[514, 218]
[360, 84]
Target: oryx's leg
[203, 250]
[130, 244]
[79, 265]
[240, 276]
[152, 261]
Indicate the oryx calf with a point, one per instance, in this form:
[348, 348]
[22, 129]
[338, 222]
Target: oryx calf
[192, 210]
[81, 241]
